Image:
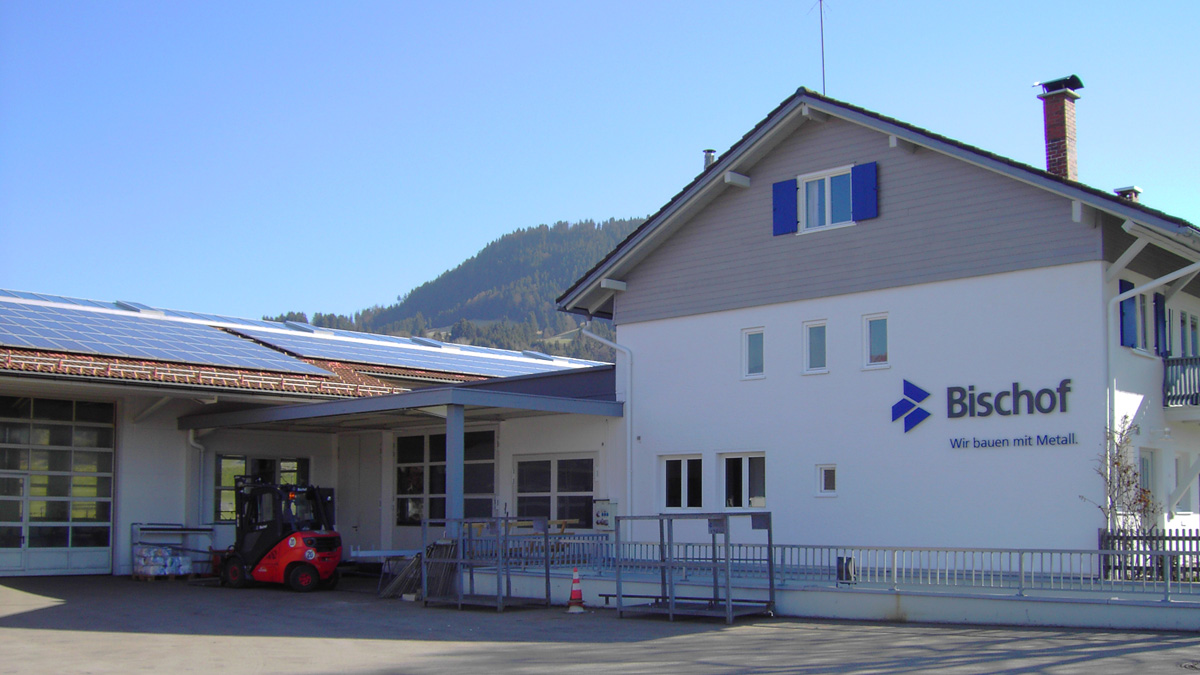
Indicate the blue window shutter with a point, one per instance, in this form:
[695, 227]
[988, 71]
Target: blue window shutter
[864, 202]
[1160, 324]
[786, 218]
[1128, 315]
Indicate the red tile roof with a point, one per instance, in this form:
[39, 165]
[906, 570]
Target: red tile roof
[348, 380]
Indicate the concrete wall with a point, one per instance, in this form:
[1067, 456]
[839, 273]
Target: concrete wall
[1036, 327]
[1076, 610]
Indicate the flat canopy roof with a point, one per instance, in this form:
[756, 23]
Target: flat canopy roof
[580, 392]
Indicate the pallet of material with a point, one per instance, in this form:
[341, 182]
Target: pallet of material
[160, 562]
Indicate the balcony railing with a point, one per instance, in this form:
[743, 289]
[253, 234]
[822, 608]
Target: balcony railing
[1181, 381]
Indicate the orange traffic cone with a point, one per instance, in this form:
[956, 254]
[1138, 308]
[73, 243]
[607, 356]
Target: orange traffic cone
[575, 604]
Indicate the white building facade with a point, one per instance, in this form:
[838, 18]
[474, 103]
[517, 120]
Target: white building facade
[885, 337]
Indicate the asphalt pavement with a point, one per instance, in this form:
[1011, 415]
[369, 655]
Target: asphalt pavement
[111, 624]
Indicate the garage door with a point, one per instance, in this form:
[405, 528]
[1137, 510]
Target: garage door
[56, 482]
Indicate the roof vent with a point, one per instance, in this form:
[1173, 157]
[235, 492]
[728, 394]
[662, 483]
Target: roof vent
[710, 156]
[139, 308]
[307, 328]
[1131, 193]
[537, 355]
[1071, 82]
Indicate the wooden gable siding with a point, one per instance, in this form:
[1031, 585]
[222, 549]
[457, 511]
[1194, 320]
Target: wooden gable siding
[939, 218]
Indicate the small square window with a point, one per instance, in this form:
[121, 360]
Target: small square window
[826, 480]
[875, 340]
[753, 353]
[814, 347]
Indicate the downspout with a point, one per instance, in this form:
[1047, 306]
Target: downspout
[1113, 330]
[191, 439]
[628, 412]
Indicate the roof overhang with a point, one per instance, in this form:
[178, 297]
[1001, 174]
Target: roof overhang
[593, 294]
[409, 409]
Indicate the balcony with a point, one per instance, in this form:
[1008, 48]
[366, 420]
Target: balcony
[1181, 382]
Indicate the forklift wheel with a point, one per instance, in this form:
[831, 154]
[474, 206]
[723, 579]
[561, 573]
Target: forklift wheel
[303, 578]
[233, 572]
[332, 582]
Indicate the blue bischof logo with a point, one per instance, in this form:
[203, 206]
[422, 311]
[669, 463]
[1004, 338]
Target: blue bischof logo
[907, 406]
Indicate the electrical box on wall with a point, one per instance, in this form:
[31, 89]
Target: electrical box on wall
[603, 513]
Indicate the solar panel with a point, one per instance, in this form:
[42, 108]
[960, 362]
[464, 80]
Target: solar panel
[452, 347]
[26, 295]
[396, 351]
[217, 318]
[136, 336]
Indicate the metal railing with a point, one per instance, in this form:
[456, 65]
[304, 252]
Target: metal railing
[1162, 574]
[1181, 381]
[525, 550]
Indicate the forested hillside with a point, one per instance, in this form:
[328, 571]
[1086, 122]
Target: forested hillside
[503, 296]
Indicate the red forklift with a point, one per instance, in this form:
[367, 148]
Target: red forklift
[285, 535]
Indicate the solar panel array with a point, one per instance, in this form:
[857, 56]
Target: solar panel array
[472, 349]
[402, 352]
[135, 330]
[83, 331]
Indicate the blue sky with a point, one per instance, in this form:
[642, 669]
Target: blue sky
[255, 158]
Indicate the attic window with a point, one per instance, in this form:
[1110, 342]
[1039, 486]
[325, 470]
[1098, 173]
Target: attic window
[826, 199]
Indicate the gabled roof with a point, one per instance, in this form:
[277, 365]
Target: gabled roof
[588, 295]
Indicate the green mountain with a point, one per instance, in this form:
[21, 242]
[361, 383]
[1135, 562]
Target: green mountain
[503, 296]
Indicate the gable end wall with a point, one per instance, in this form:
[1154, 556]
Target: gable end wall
[939, 219]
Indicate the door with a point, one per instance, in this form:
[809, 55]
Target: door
[14, 521]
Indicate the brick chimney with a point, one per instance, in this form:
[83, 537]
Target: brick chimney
[1058, 107]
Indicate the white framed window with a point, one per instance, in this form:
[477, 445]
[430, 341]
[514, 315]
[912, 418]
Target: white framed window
[815, 354]
[557, 488]
[421, 476]
[683, 482]
[1143, 312]
[1193, 335]
[1170, 340]
[1186, 503]
[753, 353]
[744, 480]
[826, 480]
[1183, 334]
[875, 341]
[1146, 470]
[825, 200]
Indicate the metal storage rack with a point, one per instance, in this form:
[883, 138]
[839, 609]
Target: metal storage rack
[721, 603]
[469, 544]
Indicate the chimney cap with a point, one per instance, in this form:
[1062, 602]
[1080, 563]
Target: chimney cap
[1131, 193]
[1071, 82]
